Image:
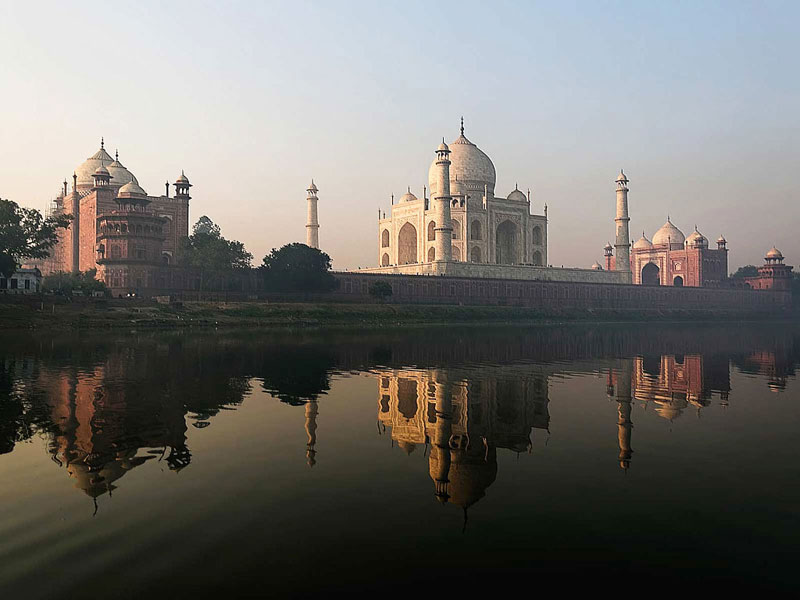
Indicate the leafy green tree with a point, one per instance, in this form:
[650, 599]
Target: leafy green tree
[66, 284]
[26, 234]
[746, 271]
[380, 290]
[298, 268]
[210, 253]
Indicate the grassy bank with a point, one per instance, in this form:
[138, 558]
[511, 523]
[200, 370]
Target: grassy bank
[124, 314]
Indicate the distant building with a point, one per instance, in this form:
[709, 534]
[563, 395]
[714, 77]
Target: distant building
[131, 238]
[773, 275]
[23, 281]
[675, 260]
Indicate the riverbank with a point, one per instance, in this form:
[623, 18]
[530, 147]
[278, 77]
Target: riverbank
[133, 314]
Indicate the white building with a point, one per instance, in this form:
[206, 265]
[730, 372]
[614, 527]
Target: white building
[23, 281]
[486, 228]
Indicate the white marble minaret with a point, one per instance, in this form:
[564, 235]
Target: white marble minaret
[622, 245]
[312, 224]
[443, 246]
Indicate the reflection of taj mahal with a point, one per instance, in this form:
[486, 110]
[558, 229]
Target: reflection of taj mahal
[463, 422]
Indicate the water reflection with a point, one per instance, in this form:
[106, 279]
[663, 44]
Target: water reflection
[109, 405]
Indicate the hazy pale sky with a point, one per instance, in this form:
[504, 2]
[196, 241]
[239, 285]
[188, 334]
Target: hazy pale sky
[698, 101]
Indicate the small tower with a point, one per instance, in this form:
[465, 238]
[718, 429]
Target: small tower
[312, 221]
[76, 225]
[623, 239]
[608, 251]
[443, 244]
[101, 177]
[182, 186]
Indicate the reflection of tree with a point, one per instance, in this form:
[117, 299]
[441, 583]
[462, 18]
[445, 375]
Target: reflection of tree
[296, 374]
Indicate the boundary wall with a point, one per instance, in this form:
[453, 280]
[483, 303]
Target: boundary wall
[559, 295]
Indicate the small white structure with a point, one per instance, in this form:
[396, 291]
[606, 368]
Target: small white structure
[26, 280]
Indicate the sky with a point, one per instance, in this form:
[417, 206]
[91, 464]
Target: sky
[697, 101]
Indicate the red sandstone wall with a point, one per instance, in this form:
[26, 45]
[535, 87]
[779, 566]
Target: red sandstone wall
[556, 295]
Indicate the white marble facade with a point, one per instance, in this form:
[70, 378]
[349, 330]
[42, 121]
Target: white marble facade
[486, 229]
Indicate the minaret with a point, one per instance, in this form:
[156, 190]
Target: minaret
[311, 431]
[623, 241]
[441, 206]
[312, 224]
[76, 226]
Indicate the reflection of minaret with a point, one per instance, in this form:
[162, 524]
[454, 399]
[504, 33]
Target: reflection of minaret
[440, 453]
[312, 410]
[624, 424]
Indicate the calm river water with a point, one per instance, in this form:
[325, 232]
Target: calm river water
[433, 462]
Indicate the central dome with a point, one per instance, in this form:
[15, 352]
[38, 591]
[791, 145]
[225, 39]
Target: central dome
[668, 234]
[119, 174]
[470, 169]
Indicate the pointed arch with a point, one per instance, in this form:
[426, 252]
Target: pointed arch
[506, 243]
[431, 254]
[407, 244]
[475, 254]
[431, 231]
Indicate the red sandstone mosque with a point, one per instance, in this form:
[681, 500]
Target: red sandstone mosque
[131, 238]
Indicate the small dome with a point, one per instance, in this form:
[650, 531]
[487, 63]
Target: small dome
[721, 239]
[642, 243]
[119, 174]
[774, 253]
[608, 246]
[408, 197]
[621, 178]
[517, 195]
[597, 266]
[131, 190]
[312, 188]
[102, 171]
[443, 147]
[668, 234]
[183, 179]
[696, 239]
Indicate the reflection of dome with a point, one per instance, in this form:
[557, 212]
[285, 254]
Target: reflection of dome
[469, 476]
[468, 165]
[774, 253]
[643, 243]
[668, 234]
[408, 447]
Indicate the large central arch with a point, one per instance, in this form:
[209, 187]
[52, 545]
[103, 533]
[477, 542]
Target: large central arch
[506, 244]
[650, 274]
[407, 245]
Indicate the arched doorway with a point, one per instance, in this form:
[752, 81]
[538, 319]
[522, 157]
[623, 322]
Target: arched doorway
[385, 238]
[506, 243]
[431, 254]
[537, 258]
[456, 229]
[431, 231]
[475, 254]
[537, 236]
[407, 244]
[456, 253]
[476, 230]
[385, 260]
[650, 274]
[678, 281]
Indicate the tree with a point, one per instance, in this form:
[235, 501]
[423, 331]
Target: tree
[746, 271]
[298, 268]
[380, 290]
[207, 251]
[66, 284]
[24, 233]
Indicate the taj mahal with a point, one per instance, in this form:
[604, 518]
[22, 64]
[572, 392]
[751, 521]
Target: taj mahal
[459, 227]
